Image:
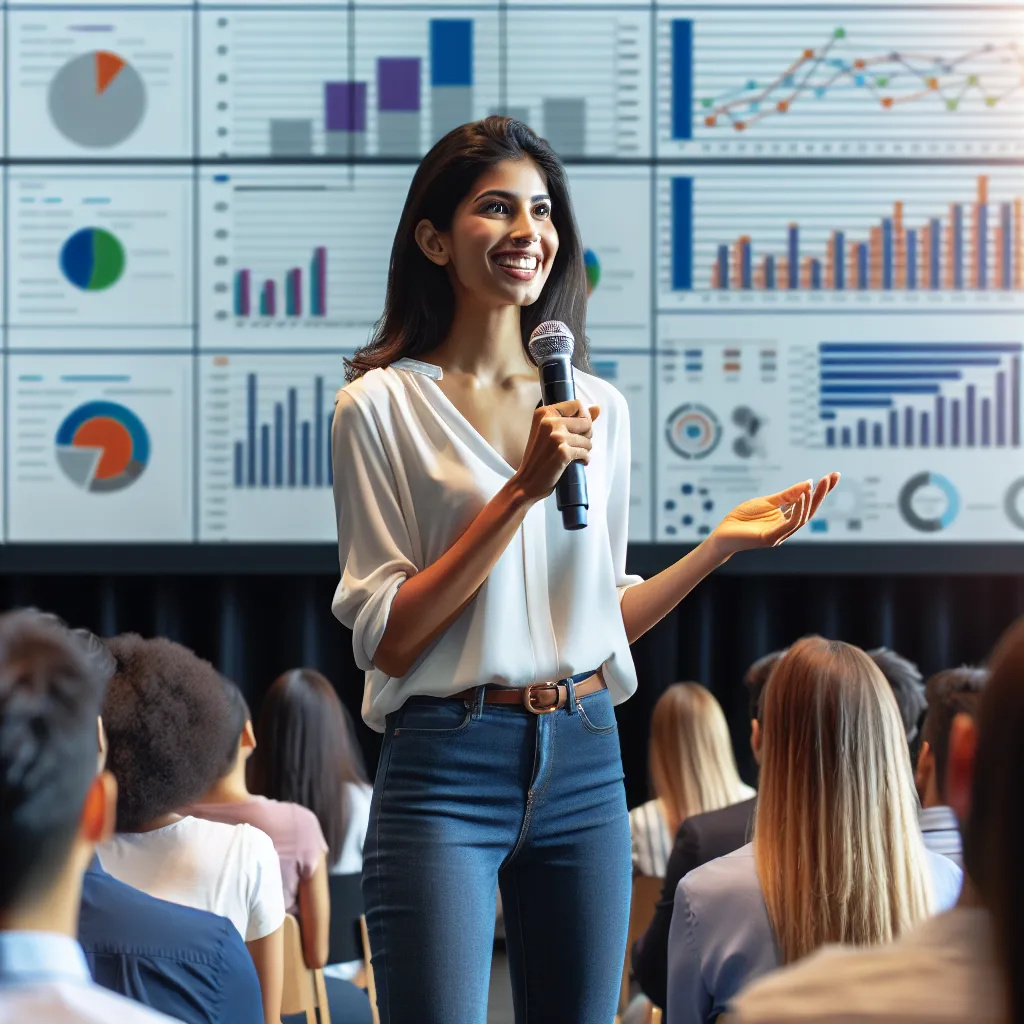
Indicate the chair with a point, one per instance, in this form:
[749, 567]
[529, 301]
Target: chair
[349, 939]
[304, 990]
[646, 893]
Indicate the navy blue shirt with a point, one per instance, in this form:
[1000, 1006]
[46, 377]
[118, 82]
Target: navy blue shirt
[183, 962]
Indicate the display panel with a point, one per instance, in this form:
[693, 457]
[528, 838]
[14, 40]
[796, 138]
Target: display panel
[803, 232]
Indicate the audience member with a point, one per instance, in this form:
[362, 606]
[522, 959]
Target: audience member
[907, 685]
[950, 693]
[692, 770]
[54, 808]
[701, 837]
[307, 753]
[165, 714]
[968, 964]
[837, 854]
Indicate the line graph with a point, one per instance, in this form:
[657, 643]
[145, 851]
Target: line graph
[878, 82]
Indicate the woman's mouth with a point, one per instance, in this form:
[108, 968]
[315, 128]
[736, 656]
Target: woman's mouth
[518, 266]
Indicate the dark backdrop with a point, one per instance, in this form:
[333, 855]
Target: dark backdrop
[254, 625]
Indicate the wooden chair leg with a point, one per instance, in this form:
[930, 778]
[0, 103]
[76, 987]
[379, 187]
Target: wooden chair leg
[320, 988]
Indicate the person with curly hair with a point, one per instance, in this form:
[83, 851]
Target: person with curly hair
[167, 718]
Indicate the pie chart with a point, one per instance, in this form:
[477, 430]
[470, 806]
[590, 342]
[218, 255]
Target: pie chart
[97, 99]
[693, 431]
[92, 259]
[102, 446]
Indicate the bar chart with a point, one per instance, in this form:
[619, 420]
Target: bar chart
[298, 258]
[842, 239]
[266, 451]
[841, 82]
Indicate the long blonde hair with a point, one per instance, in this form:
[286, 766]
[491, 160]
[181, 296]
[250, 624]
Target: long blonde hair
[692, 765]
[837, 844]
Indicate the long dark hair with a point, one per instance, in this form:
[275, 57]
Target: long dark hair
[306, 750]
[420, 304]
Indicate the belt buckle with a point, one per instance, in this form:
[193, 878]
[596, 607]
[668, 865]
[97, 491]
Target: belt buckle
[528, 692]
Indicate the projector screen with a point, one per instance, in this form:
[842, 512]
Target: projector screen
[803, 229]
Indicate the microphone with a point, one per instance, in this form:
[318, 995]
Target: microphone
[551, 347]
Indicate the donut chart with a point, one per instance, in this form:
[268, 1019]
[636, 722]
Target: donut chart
[1014, 503]
[102, 446]
[92, 259]
[928, 502]
[693, 431]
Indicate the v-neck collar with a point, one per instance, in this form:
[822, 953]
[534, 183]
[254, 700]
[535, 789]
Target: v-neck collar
[450, 414]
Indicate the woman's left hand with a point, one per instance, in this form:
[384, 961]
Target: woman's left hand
[767, 522]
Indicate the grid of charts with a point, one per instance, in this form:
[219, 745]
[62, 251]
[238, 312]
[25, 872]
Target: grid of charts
[803, 227]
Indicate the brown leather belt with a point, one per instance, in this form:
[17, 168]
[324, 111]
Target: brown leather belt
[540, 698]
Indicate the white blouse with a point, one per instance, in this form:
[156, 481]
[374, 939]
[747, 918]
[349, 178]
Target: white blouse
[410, 474]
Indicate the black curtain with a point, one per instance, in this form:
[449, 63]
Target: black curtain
[252, 627]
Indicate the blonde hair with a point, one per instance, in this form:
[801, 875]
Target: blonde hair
[837, 845]
[692, 765]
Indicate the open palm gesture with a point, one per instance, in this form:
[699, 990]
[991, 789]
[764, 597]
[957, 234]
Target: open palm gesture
[766, 522]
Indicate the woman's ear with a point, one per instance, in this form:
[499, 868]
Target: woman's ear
[247, 741]
[431, 244]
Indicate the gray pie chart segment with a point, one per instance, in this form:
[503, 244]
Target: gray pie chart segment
[88, 117]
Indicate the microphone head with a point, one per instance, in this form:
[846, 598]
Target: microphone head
[551, 338]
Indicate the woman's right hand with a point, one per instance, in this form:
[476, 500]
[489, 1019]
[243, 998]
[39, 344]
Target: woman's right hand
[560, 434]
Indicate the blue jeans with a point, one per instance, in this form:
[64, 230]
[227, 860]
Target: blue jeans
[471, 796]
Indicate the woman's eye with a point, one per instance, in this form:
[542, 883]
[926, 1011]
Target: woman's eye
[542, 210]
[496, 206]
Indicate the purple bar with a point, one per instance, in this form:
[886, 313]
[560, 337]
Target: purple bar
[244, 284]
[924, 437]
[398, 83]
[954, 419]
[972, 413]
[269, 299]
[908, 427]
[1001, 409]
[940, 421]
[986, 422]
[345, 106]
[320, 280]
[1015, 401]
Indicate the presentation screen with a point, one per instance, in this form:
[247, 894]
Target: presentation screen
[802, 221]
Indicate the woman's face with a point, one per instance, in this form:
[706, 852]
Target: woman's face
[502, 242]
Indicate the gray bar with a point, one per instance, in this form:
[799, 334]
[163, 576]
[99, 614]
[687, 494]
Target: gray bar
[565, 125]
[398, 132]
[450, 106]
[345, 143]
[291, 137]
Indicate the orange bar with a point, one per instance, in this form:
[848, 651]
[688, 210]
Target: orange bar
[738, 252]
[1016, 272]
[782, 273]
[875, 259]
[715, 282]
[997, 238]
[830, 262]
[983, 189]
[899, 245]
[852, 275]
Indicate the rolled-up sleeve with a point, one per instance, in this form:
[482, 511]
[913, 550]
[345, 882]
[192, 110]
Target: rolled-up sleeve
[618, 499]
[374, 545]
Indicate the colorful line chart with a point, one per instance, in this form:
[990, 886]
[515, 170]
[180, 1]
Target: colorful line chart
[878, 82]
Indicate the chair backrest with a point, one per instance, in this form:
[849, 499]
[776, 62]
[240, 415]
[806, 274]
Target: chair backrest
[304, 990]
[646, 893]
[346, 910]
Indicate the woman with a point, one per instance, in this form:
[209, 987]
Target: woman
[494, 641]
[693, 770]
[837, 854]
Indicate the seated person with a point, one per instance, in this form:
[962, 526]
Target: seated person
[692, 770]
[702, 837]
[837, 854]
[165, 716]
[54, 808]
[950, 693]
[967, 965]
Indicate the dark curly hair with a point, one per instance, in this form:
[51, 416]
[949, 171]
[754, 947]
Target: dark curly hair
[167, 719]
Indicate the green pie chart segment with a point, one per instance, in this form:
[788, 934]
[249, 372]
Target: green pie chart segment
[92, 259]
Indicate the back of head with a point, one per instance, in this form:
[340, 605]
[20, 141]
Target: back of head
[306, 751]
[907, 685]
[756, 679]
[837, 845]
[994, 833]
[167, 719]
[692, 765]
[50, 697]
[955, 691]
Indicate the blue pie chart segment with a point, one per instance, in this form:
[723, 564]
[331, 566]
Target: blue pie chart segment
[928, 502]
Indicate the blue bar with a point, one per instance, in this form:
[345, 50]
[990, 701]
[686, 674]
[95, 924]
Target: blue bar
[982, 254]
[747, 269]
[862, 268]
[986, 422]
[318, 419]
[451, 52]
[293, 437]
[239, 459]
[967, 347]
[793, 251]
[925, 430]
[682, 234]
[846, 437]
[856, 403]
[887, 254]
[911, 259]
[265, 455]
[826, 415]
[682, 79]
[816, 275]
[972, 392]
[278, 444]
[769, 273]
[250, 428]
[908, 427]
[902, 361]
[958, 246]
[880, 389]
[723, 266]
[330, 459]
[830, 437]
[839, 260]
[1001, 409]
[935, 254]
[940, 421]
[862, 433]
[894, 429]
[876, 435]
[954, 416]
[890, 375]
[305, 453]
[1007, 224]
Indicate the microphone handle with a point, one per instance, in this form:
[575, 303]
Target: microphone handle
[571, 490]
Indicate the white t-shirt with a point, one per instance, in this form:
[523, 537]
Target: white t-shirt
[942, 972]
[230, 870]
[410, 474]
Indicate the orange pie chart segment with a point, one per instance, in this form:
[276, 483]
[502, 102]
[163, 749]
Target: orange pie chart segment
[108, 67]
